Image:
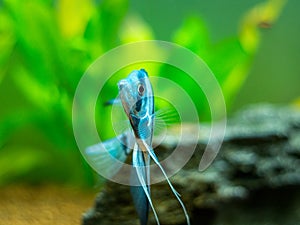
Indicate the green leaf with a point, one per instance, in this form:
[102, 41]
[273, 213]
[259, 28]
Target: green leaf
[193, 34]
[7, 41]
[17, 162]
[135, 29]
[104, 26]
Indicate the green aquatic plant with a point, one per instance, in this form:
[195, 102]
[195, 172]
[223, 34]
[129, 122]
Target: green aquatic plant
[47, 45]
[230, 59]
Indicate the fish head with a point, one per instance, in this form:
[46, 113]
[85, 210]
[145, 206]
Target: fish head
[136, 95]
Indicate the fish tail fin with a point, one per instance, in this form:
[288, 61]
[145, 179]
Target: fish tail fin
[140, 189]
[141, 203]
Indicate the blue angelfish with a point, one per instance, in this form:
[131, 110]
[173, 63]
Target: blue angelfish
[136, 96]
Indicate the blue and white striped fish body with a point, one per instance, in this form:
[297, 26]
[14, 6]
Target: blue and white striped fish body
[136, 95]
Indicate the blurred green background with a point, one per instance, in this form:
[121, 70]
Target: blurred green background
[45, 47]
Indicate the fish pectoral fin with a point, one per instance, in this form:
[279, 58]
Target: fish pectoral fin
[112, 101]
[108, 157]
[140, 189]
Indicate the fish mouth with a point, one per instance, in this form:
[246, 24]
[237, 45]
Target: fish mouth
[121, 84]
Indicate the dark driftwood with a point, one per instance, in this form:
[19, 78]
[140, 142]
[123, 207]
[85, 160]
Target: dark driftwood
[255, 178]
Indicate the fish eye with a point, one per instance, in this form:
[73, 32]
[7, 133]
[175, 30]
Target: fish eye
[141, 89]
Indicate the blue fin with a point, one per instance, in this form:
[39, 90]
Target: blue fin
[177, 195]
[108, 157]
[139, 198]
[112, 101]
[140, 189]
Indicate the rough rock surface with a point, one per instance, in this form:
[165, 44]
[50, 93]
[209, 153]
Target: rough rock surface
[255, 178]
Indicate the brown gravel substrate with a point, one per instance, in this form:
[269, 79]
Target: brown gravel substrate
[41, 205]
